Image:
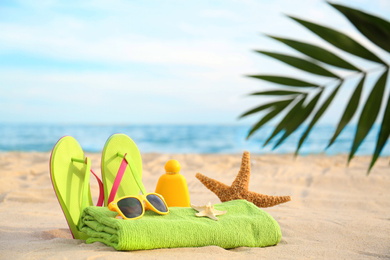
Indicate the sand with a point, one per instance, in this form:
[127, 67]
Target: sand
[336, 212]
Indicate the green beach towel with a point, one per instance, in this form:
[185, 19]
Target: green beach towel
[244, 225]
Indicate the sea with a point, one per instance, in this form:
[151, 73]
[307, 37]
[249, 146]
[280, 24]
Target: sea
[198, 139]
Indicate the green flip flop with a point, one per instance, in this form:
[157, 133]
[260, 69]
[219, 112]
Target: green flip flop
[116, 147]
[69, 172]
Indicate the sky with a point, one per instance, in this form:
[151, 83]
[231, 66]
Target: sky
[152, 62]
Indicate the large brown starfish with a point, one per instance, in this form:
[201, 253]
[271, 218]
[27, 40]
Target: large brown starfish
[239, 187]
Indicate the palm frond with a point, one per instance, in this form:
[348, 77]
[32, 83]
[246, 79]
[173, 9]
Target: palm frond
[383, 136]
[265, 106]
[349, 111]
[288, 81]
[317, 116]
[294, 111]
[293, 124]
[340, 40]
[278, 93]
[298, 108]
[317, 53]
[301, 64]
[369, 113]
[271, 114]
[374, 28]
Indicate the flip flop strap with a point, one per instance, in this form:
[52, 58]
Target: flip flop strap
[135, 175]
[117, 181]
[122, 168]
[85, 191]
[101, 192]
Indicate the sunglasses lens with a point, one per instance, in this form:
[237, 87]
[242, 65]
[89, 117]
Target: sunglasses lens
[157, 202]
[130, 207]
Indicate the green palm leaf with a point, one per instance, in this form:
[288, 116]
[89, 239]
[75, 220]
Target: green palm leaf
[340, 40]
[377, 30]
[369, 113]
[349, 111]
[263, 121]
[317, 116]
[302, 64]
[289, 116]
[266, 106]
[277, 93]
[383, 135]
[374, 28]
[284, 81]
[275, 111]
[292, 124]
[317, 53]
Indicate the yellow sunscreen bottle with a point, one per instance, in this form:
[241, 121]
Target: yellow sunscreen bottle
[173, 186]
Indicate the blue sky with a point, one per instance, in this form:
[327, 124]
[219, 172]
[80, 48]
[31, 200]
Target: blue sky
[145, 62]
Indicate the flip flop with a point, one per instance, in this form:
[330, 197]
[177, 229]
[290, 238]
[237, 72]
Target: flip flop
[114, 167]
[69, 172]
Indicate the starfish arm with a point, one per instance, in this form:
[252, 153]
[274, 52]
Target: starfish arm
[241, 182]
[213, 217]
[210, 214]
[264, 201]
[207, 213]
[198, 208]
[218, 212]
[215, 186]
[201, 214]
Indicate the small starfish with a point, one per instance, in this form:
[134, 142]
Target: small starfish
[240, 186]
[207, 211]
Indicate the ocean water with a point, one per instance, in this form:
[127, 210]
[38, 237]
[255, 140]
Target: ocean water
[203, 139]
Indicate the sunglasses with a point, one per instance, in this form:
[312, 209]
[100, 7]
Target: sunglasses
[133, 207]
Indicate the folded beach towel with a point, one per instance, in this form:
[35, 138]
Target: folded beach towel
[244, 225]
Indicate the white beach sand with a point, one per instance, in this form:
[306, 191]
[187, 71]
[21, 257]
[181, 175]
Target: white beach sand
[336, 212]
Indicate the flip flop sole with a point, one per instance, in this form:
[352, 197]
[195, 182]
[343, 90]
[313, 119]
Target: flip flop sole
[120, 143]
[67, 179]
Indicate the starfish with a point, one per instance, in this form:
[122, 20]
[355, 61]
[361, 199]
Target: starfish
[240, 186]
[207, 211]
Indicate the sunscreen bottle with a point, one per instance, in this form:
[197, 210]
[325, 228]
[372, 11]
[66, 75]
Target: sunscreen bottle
[173, 186]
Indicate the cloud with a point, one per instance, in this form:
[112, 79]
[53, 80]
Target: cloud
[220, 13]
[175, 60]
[74, 45]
